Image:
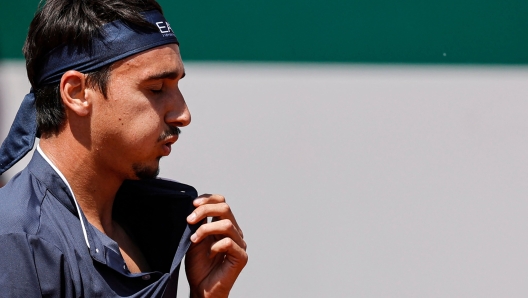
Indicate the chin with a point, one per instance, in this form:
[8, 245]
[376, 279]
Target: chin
[142, 171]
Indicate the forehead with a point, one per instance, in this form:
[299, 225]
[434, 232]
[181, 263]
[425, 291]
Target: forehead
[163, 59]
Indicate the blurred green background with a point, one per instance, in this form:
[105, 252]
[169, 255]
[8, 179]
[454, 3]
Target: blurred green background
[364, 31]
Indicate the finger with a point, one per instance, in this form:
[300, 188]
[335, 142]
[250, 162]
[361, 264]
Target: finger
[219, 211]
[234, 254]
[208, 199]
[223, 228]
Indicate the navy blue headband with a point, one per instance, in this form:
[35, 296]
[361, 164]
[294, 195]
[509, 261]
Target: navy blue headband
[117, 41]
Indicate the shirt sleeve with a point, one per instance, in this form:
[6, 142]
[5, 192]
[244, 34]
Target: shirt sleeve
[30, 267]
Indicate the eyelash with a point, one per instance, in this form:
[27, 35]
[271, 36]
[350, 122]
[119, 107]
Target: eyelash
[156, 91]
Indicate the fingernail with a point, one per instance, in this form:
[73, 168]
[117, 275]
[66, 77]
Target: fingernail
[198, 201]
[193, 237]
[191, 217]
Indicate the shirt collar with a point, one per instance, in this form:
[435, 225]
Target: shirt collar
[39, 150]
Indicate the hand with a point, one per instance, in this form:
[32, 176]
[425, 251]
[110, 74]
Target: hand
[218, 251]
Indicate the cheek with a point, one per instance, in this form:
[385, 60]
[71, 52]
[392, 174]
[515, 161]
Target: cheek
[139, 124]
[141, 129]
[126, 124]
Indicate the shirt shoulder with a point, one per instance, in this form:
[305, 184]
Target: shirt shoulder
[20, 204]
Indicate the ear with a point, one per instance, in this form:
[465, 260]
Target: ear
[72, 90]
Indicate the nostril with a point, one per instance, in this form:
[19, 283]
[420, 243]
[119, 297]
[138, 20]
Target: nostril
[184, 119]
[178, 115]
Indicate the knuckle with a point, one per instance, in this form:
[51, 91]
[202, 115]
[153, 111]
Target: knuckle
[228, 242]
[202, 230]
[245, 258]
[225, 208]
[227, 224]
[221, 198]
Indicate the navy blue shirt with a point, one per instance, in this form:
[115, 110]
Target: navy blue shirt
[46, 252]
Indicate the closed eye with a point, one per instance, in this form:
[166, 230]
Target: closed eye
[155, 88]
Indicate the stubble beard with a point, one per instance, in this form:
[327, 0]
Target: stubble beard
[145, 172]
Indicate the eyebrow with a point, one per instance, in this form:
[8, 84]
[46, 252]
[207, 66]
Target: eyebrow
[166, 75]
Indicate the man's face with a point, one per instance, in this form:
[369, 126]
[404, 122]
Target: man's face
[137, 123]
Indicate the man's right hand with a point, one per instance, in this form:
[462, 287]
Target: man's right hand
[218, 251]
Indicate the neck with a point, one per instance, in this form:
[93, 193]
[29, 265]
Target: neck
[94, 186]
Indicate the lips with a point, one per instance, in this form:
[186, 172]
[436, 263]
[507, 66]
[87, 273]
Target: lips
[166, 149]
[168, 143]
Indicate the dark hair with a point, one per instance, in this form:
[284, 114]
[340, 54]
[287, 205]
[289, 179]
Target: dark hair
[73, 22]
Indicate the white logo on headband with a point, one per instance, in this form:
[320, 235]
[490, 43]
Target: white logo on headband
[165, 28]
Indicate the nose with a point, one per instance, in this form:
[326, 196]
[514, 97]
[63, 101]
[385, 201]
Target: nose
[178, 114]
